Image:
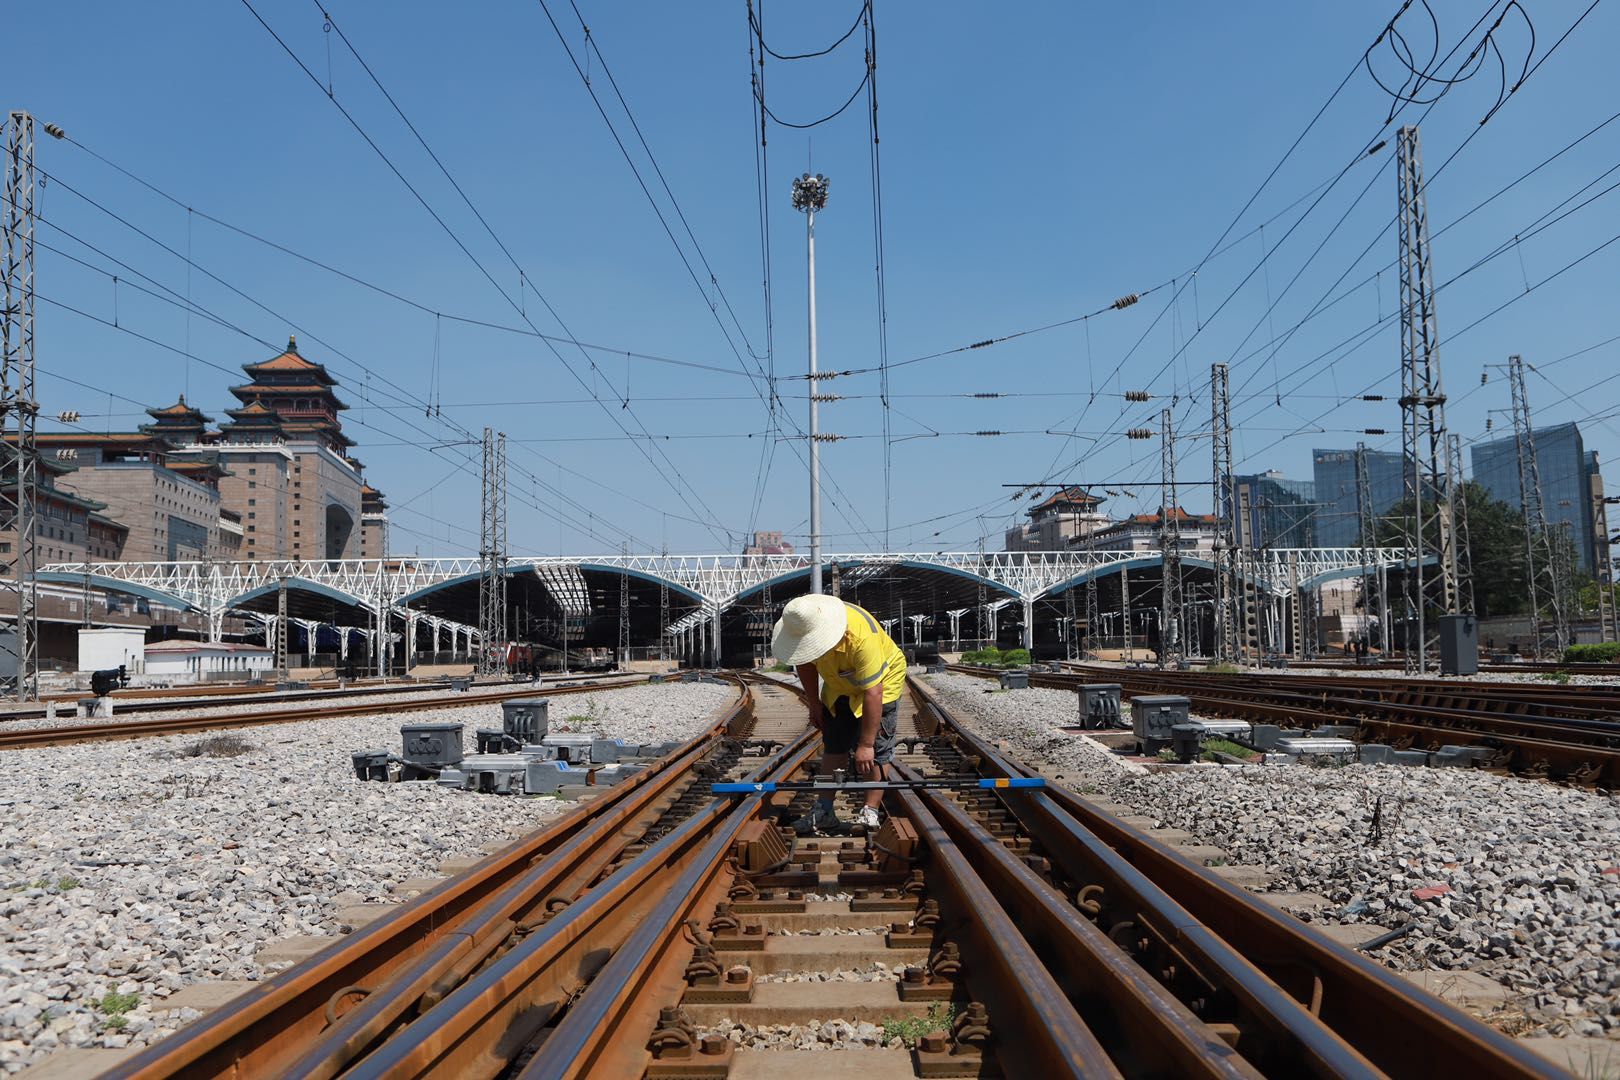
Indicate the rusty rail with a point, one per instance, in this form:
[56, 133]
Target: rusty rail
[1375, 1012]
[141, 729]
[264, 1031]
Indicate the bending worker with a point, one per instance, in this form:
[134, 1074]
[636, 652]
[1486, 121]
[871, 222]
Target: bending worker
[853, 674]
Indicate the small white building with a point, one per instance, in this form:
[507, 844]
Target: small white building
[200, 660]
[113, 646]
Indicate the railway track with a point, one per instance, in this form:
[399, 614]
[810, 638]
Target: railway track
[624, 939]
[152, 699]
[140, 729]
[1569, 734]
[1516, 667]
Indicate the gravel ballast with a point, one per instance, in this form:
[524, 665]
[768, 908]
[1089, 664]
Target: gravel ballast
[1526, 874]
[134, 868]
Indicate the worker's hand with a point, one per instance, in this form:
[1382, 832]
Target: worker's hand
[865, 760]
[818, 716]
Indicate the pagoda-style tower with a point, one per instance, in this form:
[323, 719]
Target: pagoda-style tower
[299, 392]
[255, 422]
[178, 424]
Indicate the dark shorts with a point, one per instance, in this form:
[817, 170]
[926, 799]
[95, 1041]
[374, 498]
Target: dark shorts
[843, 728]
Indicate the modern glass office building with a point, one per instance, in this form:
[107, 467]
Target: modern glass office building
[1335, 473]
[1566, 480]
[1273, 511]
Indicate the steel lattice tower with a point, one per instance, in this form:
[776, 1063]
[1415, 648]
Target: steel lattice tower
[1428, 524]
[1602, 564]
[1170, 594]
[1364, 535]
[492, 559]
[1093, 613]
[19, 409]
[1226, 551]
[1457, 493]
[1541, 565]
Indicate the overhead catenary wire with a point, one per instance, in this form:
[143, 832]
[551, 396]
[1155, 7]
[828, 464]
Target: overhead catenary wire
[682, 487]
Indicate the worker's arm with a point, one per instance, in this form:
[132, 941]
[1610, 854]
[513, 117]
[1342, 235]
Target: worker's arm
[810, 679]
[871, 716]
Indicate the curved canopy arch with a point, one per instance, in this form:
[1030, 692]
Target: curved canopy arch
[651, 579]
[847, 566]
[303, 585]
[108, 584]
[1147, 561]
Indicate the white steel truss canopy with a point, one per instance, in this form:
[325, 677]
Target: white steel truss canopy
[715, 582]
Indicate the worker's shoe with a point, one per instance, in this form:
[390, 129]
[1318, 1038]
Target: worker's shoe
[867, 819]
[820, 819]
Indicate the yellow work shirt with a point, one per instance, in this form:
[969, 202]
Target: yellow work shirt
[861, 658]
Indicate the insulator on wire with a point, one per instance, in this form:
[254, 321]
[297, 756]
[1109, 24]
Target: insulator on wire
[986, 433]
[1125, 301]
[982, 344]
[1139, 433]
[1372, 397]
[1137, 395]
[1374, 431]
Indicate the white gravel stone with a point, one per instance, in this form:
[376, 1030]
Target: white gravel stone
[126, 868]
[1533, 868]
[1031, 722]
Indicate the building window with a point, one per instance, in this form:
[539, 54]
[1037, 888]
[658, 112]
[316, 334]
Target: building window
[253, 502]
[253, 514]
[253, 528]
[253, 472]
[253, 483]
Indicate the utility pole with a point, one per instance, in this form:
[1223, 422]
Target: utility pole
[1541, 567]
[1226, 549]
[809, 197]
[492, 558]
[984, 596]
[19, 408]
[624, 606]
[1070, 651]
[1170, 595]
[1429, 532]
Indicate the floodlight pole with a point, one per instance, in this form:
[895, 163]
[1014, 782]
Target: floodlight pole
[809, 196]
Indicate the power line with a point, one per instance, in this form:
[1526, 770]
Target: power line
[677, 487]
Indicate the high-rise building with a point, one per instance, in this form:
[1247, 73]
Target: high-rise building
[1337, 521]
[1567, 471]
[1272, 511]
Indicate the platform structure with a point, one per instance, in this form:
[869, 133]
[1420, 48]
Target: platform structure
[709, 585]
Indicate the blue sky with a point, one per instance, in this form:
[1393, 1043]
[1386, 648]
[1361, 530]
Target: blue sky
[1035, 168]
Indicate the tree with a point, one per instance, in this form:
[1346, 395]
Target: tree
[1495, 549]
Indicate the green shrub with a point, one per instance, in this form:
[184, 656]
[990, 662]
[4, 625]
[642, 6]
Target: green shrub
[994, 657]
[1607, 652]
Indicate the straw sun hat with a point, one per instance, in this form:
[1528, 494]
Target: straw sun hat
[810, 625]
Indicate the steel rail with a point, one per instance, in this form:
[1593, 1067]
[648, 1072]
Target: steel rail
[141, 729]
[1582, 751]
[1399, 1028]
[1140, 1024]
[479, 1028]
[236, 697]
[262, 1031]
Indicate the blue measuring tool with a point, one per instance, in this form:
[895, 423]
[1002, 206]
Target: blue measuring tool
[768, 786]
